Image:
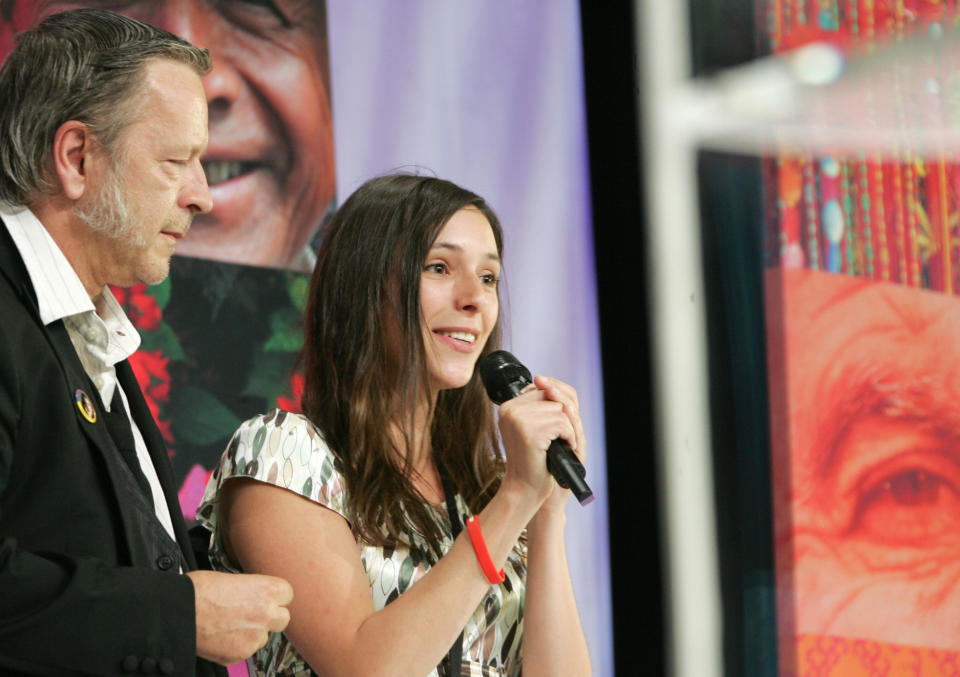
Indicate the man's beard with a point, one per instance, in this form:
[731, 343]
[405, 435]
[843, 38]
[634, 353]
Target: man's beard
[110, 213]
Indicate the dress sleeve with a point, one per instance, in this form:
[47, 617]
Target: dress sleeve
[277, 448]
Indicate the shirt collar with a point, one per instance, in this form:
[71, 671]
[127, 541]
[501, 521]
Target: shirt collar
[60, 293]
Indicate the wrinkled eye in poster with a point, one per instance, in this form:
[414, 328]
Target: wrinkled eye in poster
[862, 324]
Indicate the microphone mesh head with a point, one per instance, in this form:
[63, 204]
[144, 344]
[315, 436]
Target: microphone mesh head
[503, 376]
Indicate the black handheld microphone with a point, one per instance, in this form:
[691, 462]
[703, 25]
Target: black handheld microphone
[504, 377]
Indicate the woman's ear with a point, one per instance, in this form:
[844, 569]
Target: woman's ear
[72, 150]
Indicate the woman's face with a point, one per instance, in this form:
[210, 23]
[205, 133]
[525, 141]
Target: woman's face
[458, 297]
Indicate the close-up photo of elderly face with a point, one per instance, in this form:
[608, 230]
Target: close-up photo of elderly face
[270, 161]
[868, 472]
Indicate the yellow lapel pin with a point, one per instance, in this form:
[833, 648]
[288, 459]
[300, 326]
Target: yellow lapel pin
[85, 405]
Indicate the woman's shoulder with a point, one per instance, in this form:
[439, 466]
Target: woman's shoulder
[278, 418]
[286, 450]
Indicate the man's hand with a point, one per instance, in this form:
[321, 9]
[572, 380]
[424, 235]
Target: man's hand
[236, 611]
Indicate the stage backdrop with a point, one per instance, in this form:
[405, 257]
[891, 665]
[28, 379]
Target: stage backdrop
[487, 93]
[863, 327]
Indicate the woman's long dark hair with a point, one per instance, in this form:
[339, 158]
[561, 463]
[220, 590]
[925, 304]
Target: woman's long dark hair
[364, 358]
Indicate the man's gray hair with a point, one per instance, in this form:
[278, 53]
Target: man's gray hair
[85, 65]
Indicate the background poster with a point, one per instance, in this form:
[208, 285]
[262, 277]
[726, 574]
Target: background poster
[863, 323]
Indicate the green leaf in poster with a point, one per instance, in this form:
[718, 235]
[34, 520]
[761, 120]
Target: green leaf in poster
[160, 293]
[286, 334]
[164, 340]
[199, 417]
[270, 376]
[299, 289]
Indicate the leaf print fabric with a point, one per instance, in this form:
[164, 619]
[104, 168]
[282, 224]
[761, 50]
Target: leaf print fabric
[286, 450]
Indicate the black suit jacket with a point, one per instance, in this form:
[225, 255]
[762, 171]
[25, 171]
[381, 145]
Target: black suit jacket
[89, 580]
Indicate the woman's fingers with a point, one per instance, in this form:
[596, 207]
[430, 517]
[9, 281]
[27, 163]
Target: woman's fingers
[558, 391]
[536, 420]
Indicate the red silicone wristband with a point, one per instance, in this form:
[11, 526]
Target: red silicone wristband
[483, 555]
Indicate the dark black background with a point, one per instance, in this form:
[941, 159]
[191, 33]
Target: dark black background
[722, 34]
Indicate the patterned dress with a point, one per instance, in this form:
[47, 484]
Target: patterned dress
[287, 450]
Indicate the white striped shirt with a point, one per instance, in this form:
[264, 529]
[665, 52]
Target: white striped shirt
[101, 334]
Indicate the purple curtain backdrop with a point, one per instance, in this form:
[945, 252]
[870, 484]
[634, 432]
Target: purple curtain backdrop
[489, 94]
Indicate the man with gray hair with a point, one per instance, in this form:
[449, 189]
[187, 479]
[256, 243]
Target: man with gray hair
[102, 126]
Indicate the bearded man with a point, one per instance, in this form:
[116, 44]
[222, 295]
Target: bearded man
[103, 123]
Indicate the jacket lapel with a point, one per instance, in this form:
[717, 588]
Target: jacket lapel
[158, 454]
[76, 382]
[11, 267]
[96, 432]
[77, 385]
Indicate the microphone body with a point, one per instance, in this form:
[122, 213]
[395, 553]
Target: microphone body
[504, 377]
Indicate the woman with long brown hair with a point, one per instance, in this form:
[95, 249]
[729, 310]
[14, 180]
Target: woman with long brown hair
[358, 502]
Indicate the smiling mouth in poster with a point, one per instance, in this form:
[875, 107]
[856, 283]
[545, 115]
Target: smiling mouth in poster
[270, 159]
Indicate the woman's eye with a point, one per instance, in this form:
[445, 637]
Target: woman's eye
[438, 268]
[490, 279]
